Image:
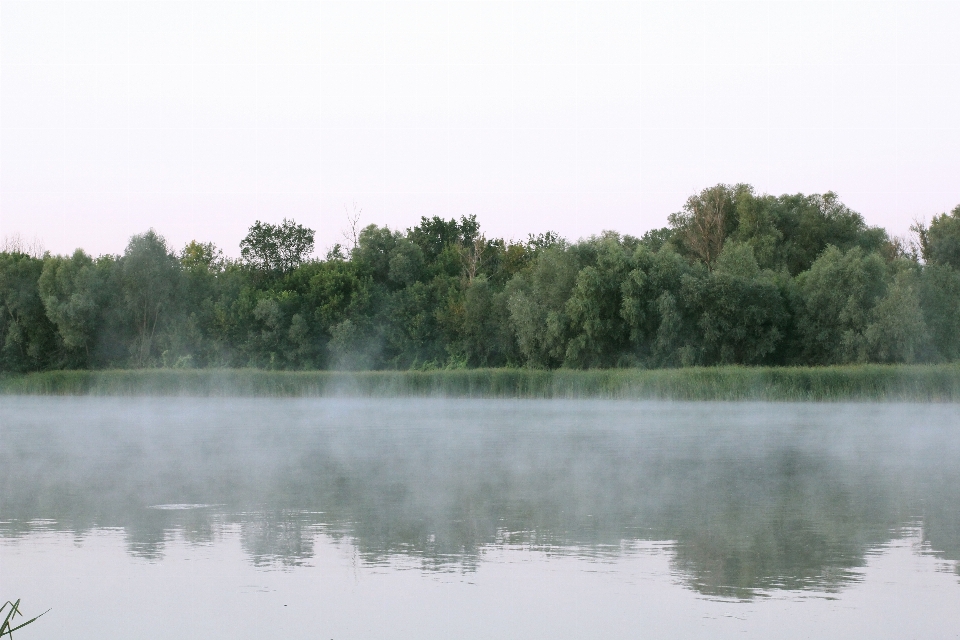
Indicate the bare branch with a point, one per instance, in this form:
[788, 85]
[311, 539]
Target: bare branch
[352, 233]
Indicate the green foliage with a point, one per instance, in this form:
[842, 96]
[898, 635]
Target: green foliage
[658, 326]
[374, 251]
[940, 242]
[75, 293]
[149, 280]
[488, 340]
[705, 222]
[791, 231]
[201, 257]
[897, 331]
[10, 610]
[839, 293]
[600, 336]
[282, 247]
[940, 383]
[434, 235]
[27, 336]
[656, 239]
[737, 279]
[742, 312]
[537, 301]
[939, 291]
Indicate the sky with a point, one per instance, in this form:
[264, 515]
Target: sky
[198, 118]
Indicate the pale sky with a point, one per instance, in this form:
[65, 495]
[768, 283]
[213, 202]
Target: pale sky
[197, 118]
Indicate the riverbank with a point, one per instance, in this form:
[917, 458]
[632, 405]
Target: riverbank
[936, 383]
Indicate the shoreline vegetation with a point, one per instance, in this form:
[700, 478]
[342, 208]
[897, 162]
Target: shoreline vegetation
[917, 383]
[736, 279]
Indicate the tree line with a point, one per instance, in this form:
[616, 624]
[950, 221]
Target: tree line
[736, 278]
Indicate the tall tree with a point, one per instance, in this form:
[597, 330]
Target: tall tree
[277, 248]
[74, 294]
[839, 293]
[150, 278]
[897, 331]
[435, 234]
[939, 290]
[705, 222]
[599, 334]
[537, 300]
[27, 337]
[741, 311]
[940, 242]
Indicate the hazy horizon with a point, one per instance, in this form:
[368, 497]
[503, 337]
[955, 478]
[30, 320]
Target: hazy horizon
[198, 118]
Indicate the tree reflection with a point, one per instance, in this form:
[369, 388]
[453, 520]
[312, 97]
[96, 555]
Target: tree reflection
[754, 498]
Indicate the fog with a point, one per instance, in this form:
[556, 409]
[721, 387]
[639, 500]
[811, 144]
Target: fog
[750, 497]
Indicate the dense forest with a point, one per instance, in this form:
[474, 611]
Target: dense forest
[736, 278]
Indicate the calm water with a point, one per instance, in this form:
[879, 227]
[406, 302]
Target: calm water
[253, 518]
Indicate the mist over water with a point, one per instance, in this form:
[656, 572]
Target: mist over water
[748, 505]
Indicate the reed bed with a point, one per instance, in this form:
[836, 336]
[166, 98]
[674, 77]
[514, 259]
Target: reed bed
[931, 383]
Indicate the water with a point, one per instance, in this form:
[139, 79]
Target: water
[251, 518]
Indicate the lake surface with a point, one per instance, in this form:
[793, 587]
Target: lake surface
[430, 518]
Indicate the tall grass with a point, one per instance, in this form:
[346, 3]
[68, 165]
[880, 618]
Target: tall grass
[860, 382]
[7, 625]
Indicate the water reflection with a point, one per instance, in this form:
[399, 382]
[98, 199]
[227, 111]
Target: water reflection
[752, 497]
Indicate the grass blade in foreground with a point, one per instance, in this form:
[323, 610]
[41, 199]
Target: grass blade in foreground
[6, 627]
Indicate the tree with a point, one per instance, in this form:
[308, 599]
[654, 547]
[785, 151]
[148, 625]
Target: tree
[277, 248]
[374, 250]
[940, 242]
[600, 335]
[897, 331]
[741, 311]
[939, 290]
[472, 257]
[808, 224]
[406, 263]
[791, 231]
[656, 239]
[149, 278]
[737, 278]
[705, 222]
[27, 337]
[537, 301]
[201, 257]
[435, 234]
[838, 295]
[487, 335]
[73, 293]
[757, 226]
[659, 327]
